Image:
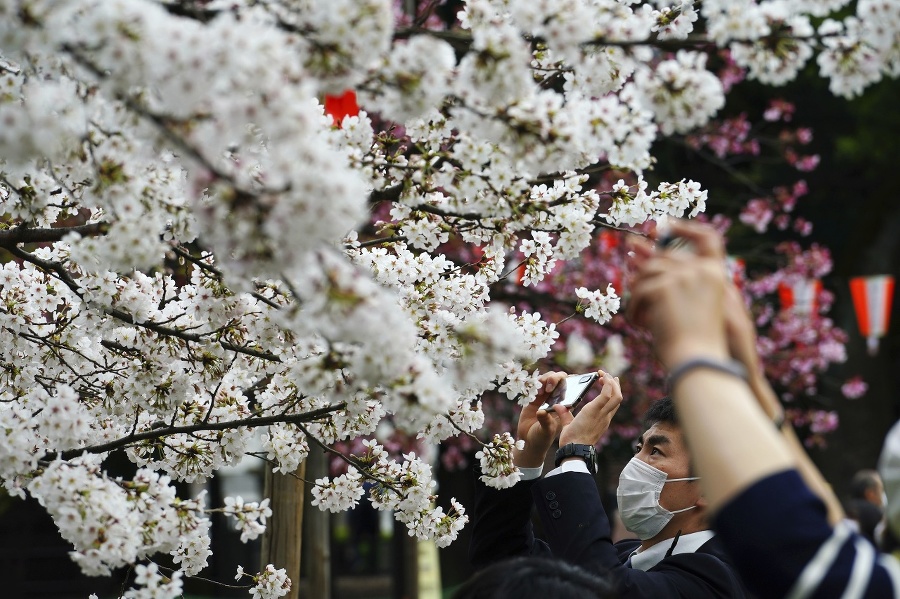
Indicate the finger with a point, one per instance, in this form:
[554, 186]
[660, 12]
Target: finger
[611, 395]
[706, 240]
[640, 250]
[615, 389]
[550, 380]
[547, 419]
[663, 262]
[594, 417]
[641, 246]
[534, 404]
[643, 290]
[565, 416]
[609, 383]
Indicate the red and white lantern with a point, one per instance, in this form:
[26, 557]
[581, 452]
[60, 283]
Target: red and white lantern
[872, 298]
[801, 296]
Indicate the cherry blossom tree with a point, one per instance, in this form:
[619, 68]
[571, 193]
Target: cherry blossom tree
[191, 264]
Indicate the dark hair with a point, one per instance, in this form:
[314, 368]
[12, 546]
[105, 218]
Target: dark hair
[661, 410]
[534, 578]
[862, 481]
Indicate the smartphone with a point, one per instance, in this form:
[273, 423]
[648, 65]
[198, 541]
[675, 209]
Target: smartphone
[571, 390]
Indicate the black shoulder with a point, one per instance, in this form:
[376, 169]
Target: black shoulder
[716, 575]
[715, 548]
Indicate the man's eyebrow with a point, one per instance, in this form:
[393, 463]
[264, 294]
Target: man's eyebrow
[657, 440]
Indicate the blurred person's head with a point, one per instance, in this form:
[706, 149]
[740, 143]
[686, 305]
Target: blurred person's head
[658, 492]
[867, 485]
[534, 578]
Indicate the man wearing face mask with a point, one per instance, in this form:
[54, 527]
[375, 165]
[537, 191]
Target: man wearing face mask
[675, 555]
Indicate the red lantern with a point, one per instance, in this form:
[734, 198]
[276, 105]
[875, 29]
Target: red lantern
[341, 106]
[800, 296]
[608, 240]
[872, 298]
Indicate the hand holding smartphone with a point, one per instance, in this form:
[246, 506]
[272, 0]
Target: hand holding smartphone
[571, 390]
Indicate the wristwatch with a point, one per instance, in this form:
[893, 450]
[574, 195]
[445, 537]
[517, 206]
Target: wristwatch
[586, 452]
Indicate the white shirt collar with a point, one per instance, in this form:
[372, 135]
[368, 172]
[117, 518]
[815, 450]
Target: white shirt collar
[689, 543]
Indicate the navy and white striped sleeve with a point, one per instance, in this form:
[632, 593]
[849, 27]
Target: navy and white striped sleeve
[778, 534]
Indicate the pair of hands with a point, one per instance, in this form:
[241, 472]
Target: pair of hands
[692, 307]
[680, 296]
[688, 301]
[538, 428]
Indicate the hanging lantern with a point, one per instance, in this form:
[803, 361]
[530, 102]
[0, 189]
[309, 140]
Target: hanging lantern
[520, 273]
[341, 106]
[800, 296]
[608, 240]
[872, 298]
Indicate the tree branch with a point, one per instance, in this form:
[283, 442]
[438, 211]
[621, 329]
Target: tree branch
[179, 251]
[25, 234]
[157, 433]
[390, 194]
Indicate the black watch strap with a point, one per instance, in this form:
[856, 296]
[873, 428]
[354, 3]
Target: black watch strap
[577, 450]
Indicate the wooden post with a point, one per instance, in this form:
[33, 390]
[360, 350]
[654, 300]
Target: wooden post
[405, 573]
[318, 527]
[281, 543]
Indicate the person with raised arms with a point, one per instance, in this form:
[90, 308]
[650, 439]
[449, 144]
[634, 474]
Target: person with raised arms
[769, 506]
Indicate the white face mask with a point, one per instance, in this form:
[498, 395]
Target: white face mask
[639, 487]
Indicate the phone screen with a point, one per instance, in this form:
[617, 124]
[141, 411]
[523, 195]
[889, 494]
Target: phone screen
[571, 390]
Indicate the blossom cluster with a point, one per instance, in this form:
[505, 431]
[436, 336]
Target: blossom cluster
[600, 306]
[271, 583]
[496, 459]
[250, 518]
[150, 584]
[682, 199]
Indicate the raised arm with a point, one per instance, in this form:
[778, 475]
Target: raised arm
[680, 297]
[741, 335]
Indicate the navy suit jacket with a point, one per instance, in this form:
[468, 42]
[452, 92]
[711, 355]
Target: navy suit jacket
[577, 530]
